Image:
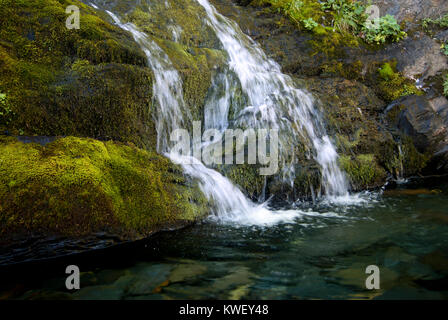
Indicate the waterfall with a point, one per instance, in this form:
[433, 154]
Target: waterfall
[229, 203]
[271, 95]
[167, 87]
[275, 102]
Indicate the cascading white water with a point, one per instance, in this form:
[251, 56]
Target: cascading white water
[265, 86]
[274, 101]
[229, 203]
[167, 87]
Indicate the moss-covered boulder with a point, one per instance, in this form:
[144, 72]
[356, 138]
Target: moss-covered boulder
[76, 187]
[363, 171]
[91, 82]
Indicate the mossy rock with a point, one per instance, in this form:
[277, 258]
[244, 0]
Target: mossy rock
[392, 85]
[247, 177]
[77, 186]
[363, 171]
[403, 159]
[106, 101]
[90, 82]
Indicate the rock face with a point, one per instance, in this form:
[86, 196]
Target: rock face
[418, 56]
[420, 121]
[412, 10]
[425, 121]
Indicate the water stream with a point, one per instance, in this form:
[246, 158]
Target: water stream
[307, 250]
[275, 102]
[272, 102]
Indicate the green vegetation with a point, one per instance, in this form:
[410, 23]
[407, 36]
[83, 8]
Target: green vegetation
[414, 161]
[310, 24]
[393, 85]
[188, 50]
[431, 24]
[247, 177]
[363, 170]
[445, 86]
[406, 163]
[6, 113]
[444, 48]
[387, 30]
[76, 186]
[345, 17]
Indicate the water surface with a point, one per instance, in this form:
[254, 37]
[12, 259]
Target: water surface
[321, 254]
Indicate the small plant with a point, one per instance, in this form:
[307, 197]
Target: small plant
[387, 29]
[295, 5]
[347, 15]
[348, 18]
[444, 48]
[440, 23]
[309, 24]
[6, 113]
[445, 86]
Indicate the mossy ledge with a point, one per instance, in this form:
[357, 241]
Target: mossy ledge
[79, 186]
[92, 82]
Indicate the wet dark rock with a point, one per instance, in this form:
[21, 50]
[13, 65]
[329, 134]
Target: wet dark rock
[42, 140]
[442, 36]
[418, 56]
[425, 121]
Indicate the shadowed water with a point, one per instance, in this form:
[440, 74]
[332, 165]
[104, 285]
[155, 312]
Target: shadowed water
[320, 253]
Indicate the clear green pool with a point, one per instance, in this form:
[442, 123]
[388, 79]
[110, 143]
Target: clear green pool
[403, 232]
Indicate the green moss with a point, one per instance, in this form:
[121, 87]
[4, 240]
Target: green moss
[6, 114]
[352, 71]
[307, 182]
[363, 171]
[345, 143]
[195, 72]
[336, 24]
[393, 85]
[76, 186]
[331, 43]
[182, 36]
[394, 113]
[247, 177]
[386, 72]
[403, 159]
[413, 160]
[48, 74]
[156, 19]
